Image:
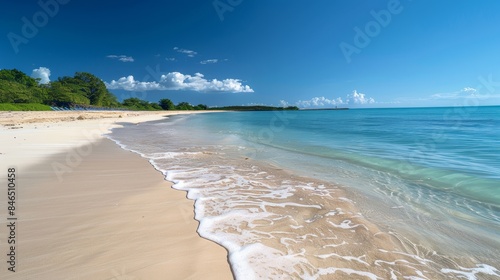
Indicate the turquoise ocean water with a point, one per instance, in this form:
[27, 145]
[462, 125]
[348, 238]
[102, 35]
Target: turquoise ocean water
[364, 193]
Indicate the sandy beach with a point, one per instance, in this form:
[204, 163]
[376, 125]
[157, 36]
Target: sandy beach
[87, 209]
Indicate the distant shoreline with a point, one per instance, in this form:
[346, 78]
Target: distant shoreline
[325, 109]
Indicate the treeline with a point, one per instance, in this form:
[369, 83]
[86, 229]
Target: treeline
[19, 91]
[164, 104]
[255, 108]
[83, 90]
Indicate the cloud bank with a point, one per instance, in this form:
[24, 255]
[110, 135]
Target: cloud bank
[319, 102]
[179, 81]
[354, 98]
[122, 58]
[42, 73]
[465, 92]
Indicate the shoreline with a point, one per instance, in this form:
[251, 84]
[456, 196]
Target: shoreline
[109, 213]
[266, 213]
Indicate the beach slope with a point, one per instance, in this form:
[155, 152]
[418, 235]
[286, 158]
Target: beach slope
[87, 209]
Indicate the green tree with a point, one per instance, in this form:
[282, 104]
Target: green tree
[110, 100]
[166, 104]
[13, 92]
[155, 106]
[132, 102]
[201, 107]
[82, 89]
[17, 87]
[64, 94]
[184, 106]
[138, 104]
[20, 77]
[94, 88]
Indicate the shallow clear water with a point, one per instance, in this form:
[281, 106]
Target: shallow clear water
[366, 194]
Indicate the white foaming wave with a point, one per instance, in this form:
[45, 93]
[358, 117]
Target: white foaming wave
[336, 245]
[332, 213]
[230, 213]
[470, 273]
[346, 199]
[284, 192]
[348, 271]
[231, 207]
[360, 259]
[227, 208]
[395, 262]
[108, 136]
[413, 256]
[169, 155]
[347, 224]
[127, 148]
[249, 258]
[215, 229]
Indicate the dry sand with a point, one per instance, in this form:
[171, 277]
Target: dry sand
[86, 209]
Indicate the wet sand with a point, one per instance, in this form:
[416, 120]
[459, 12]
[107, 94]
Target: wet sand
[87, 209]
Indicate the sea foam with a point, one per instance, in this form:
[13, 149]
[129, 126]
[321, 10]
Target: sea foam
[278, 225]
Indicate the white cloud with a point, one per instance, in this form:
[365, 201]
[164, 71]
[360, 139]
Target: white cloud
[170, 58]
[130, 84]
[126, 59]
[42, 73]
[465, 92]
[353, 98]
[179, 81]
[209, 61]
[320, 102]
[469, 89]
[122, 58]
[358, 98]
[284, 103]
[189, 53]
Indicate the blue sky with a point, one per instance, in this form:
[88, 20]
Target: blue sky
[236, 52]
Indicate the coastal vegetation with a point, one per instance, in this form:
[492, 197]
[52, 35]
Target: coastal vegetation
[20, 92]
[255, 108]
[83, 89]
